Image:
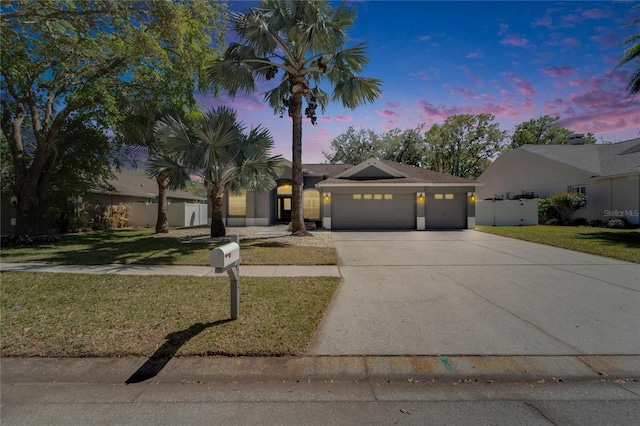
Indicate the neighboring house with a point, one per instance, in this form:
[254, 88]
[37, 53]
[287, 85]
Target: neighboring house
[608, 174]
[374, 194]
[128, 187]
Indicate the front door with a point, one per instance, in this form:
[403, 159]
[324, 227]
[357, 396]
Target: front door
[284, 209]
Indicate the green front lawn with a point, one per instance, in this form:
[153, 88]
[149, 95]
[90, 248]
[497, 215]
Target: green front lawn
[75, 315]
[142, 246]
[623, 244]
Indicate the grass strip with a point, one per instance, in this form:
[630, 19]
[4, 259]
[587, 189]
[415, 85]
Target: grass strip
[623, 244]
[141, 246]
[76, 315]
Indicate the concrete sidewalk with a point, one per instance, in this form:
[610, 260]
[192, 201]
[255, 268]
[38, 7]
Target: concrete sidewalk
[198, 271]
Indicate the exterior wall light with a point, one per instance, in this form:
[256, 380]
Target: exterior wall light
[420, 196]
[473, 197]
[327, 196]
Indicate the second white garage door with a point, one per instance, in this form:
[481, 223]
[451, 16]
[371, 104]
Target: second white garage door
[373, 211]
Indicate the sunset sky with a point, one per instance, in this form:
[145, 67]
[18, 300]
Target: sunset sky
[517, 60]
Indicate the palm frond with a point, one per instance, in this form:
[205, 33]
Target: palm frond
[177, 174]
[276, 96]
[356, 91]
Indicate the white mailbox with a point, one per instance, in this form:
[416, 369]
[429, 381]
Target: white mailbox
[225, 257]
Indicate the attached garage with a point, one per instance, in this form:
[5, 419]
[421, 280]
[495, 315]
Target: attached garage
[446, 210]
[380, 194]
[374, 210]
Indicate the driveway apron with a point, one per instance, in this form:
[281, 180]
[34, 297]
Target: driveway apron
[471, 293]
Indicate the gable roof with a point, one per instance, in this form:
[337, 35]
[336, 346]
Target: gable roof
[599, 160]
[385, 172]
[135, 184]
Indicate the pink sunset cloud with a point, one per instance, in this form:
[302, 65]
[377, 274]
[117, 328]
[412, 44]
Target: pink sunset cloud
[601, 105]
[514, 40]
[393, 104]
[344, 119]
[524, 86]
[571, 42]
[387, 113]
[594, 13]
[555, 72]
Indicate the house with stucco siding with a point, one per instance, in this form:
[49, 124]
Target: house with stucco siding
[608, 174]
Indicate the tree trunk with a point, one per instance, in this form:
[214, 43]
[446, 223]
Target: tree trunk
[28, 219]
[216, 197]
[297, 217]
[162, 224]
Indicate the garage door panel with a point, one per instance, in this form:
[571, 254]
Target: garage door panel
[443, 213]
[398, 212]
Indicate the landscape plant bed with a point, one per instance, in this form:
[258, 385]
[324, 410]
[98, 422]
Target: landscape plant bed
[141, 246]
[77, 315]
[623, 244]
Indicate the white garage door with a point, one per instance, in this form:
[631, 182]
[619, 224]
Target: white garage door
[373, 211]
[446, 211]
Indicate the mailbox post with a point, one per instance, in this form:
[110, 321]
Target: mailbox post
[226, 258]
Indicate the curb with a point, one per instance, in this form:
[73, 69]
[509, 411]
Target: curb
[337, 368]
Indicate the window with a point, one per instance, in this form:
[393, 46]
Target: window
[580, 189]
[448, 196]
[285, 189]
[357, 196]
[438, 196]
[388, 196]
[311, 204]
[238, 204]
[368, 196]
[377, 196]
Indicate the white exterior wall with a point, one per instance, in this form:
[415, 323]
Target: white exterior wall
[178, 214]
[507, 212]
[515, 172]
[519, 171]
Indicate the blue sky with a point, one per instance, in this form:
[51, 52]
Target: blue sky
[517, 60]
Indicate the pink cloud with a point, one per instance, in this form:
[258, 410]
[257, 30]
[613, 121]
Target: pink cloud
[600, 105]
[503, 109]
[561, 71]
[459, 91]
[388, 113]
[393, 104]
[515, 40]
[571, 42]
[326, 119]
[420, 75]
[474, 55]
[503, 29]
[424, 38]
[343, 119]
[542, 22]
[594, 13]
[523, 85]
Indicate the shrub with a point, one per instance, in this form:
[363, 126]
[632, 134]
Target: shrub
[598, 223]
[617, 223]
[579, 221]
[545, 210]
[565, 204]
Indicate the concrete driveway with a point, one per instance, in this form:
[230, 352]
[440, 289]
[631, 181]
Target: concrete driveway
[471, 293]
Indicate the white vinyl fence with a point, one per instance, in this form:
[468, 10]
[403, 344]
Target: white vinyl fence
[507, 212]
[179, 214]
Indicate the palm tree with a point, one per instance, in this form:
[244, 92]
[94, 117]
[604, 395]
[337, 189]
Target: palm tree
[217, 148]
[161, 165]
[305, 40]
[633, 54]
